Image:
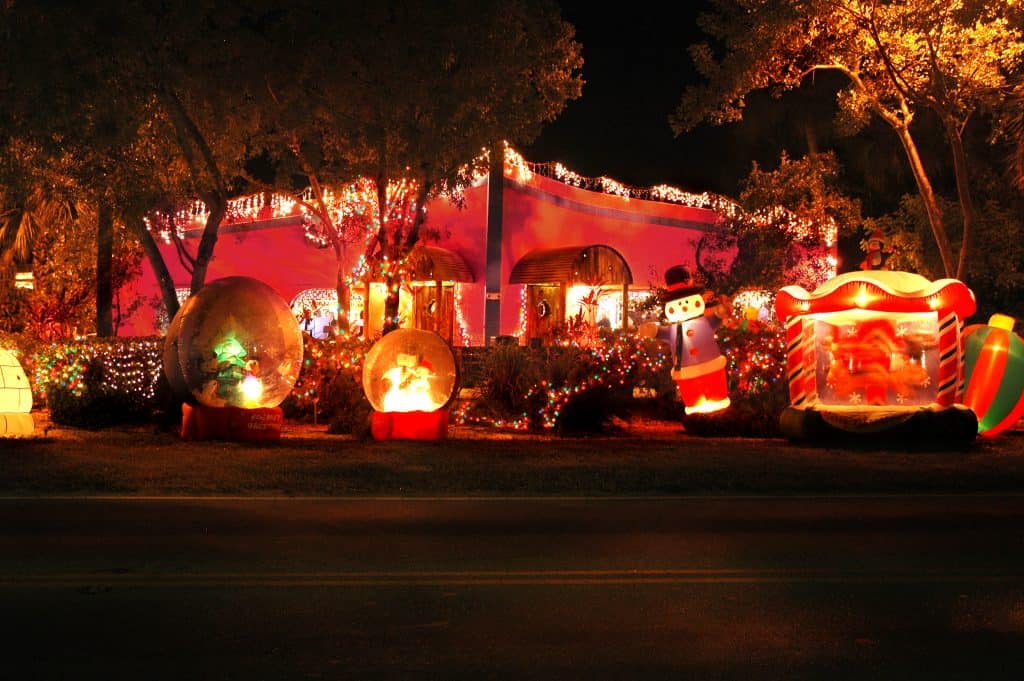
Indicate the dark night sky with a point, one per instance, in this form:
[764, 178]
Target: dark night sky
[635, 67]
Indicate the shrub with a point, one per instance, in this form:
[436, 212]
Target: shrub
[97, 402]
[568, 387]
[510, 373]
[755, 371]
[580, 396]
[328, 387]
[346, 405]
[100, 382]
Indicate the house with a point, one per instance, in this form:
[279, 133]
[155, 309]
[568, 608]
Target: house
[532, 246]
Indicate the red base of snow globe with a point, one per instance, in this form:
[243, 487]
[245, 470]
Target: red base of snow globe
[200, 422]
[409, 425]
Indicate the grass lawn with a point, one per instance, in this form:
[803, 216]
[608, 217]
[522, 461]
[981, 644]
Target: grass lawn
[647, 458]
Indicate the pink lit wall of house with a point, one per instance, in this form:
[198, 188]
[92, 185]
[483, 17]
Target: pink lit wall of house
[521, 214]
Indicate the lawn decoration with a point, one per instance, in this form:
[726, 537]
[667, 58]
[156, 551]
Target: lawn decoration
[878, 252]
[409, 378]
[994, 371]
[877, 351]
[699, 366]
[15, 398]
[233, 352]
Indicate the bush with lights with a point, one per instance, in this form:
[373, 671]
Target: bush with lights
[24, 347]
[99, 382]
[577, 384]
[328, 388]
[755, 370]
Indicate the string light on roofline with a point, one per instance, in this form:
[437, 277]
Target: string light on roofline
[464, 338]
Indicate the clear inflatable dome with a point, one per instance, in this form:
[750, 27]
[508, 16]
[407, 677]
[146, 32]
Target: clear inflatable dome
[409, 370]
[235, 343]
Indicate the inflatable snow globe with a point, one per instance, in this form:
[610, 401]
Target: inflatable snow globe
[409, 378]
[235, 350]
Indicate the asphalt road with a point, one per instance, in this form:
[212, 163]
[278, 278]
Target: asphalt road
[740, 588]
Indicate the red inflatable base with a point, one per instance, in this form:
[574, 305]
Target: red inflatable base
[199, 422]
[409, 425]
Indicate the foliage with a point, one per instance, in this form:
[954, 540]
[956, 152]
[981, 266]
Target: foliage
[62, 302]
[347, 405]
[585, 389]
[329, 386]
[568, 387]
[98, 407]
[425, 87]
[992, 272]
[755, 371]
[131, 107]
[899, 59]
[786, 217]
[509, 373]
[99, 382]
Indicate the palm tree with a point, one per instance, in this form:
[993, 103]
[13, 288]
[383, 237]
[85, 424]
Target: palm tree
[1015, 131]
[24, 218]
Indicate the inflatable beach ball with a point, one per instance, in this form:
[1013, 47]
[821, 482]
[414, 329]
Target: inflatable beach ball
[994, 374]
[15, 397]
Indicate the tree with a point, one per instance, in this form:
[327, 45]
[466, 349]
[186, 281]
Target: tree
[949, 57]
[783, 230]
[62, 300]
[136, 105]
[411, 95]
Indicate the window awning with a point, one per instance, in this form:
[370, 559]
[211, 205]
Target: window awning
[596, 264]
[432, 263]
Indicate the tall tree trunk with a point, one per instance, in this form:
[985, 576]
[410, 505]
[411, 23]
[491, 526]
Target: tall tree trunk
[218, 207]
[341, 288]
[963, 190]
[156, 261]
[104, 271]
[924, 188]
[391, 303]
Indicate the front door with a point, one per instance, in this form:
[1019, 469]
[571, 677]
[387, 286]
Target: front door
[432, 310]
[545, 310]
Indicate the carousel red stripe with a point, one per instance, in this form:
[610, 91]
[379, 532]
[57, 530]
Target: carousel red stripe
[949, 368]
[810, 363]
[795, 359]
[962, 376]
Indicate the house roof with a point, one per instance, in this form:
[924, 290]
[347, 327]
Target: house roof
[594, 264]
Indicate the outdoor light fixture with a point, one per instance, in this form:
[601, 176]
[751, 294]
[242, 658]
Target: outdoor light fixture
[409, 378]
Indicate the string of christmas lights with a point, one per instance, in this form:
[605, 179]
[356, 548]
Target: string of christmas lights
[321, 362]
[130, 366]
[461, 326]
[608, 364]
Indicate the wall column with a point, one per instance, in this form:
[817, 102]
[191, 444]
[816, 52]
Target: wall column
[495, 208]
